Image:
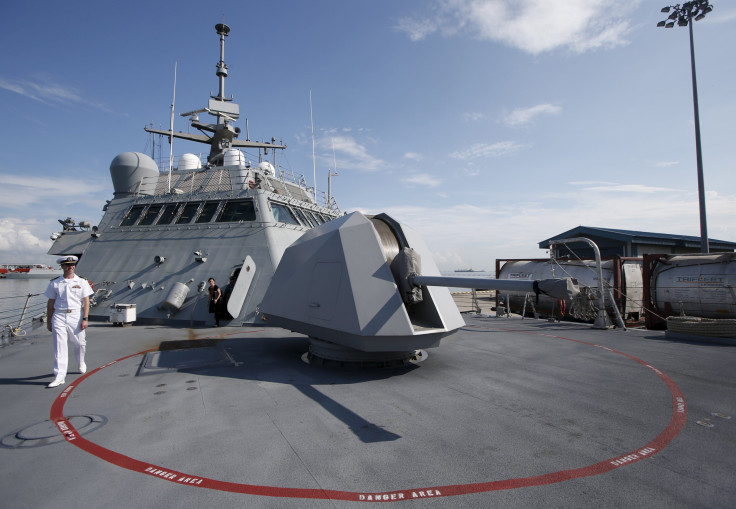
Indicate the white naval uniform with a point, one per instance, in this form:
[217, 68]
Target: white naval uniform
[66, 322]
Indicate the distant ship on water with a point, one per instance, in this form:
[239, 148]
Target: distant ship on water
[28, 271]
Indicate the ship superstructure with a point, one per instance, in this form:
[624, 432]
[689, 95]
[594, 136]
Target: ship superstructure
[166, 232]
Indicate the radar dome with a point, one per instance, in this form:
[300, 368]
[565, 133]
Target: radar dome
[189, 162]
[266, 168]
[133, 173]
[234, 157]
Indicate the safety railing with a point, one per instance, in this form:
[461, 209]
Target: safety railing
[19, 314]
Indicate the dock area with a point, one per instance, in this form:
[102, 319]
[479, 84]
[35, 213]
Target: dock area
[475, 301]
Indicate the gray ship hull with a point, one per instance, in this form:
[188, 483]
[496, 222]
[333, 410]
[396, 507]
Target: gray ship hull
[141, 264]
[166, 231]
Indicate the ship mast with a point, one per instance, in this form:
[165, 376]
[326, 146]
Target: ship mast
[223, 30]
[171, 133]
[222, 135]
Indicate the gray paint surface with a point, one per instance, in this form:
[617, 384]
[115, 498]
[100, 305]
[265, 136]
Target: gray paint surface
[502, 399]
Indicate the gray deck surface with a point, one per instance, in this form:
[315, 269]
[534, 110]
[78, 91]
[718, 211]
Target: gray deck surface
[507, 413]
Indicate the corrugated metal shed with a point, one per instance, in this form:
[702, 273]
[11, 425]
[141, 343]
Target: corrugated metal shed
[614, 242]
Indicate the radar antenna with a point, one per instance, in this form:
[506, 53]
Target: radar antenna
[223, 30]
[223, 134]
[171, 133]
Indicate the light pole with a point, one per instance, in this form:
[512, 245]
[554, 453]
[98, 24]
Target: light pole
[683, 15]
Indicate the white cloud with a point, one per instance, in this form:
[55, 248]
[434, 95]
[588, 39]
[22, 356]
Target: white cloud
[21, 191]
[469, 235]
[31, 205]
[18, 244]
[413, 156]
[422, 179]
[350, 154]
[626, 188]
[416, 29]
[523, 116]
[487, 150]
[666, 164]
[533, 26]
[48, 92]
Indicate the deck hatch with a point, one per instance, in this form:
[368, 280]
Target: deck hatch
[185, 356]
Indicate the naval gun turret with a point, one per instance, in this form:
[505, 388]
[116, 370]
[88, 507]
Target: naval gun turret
[366, 290]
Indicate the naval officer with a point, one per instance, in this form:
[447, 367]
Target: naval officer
[67, 314]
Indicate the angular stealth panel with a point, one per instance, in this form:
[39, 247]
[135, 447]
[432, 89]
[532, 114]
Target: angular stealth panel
[335, 284]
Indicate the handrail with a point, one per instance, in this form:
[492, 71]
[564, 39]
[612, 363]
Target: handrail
[602, 321]
[9, 316]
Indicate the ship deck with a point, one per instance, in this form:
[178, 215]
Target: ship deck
[506, 413]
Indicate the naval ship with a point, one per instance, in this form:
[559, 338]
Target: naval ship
[335, 403]
[165, 233]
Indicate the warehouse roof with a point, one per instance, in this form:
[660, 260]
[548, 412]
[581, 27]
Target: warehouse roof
[633, 238]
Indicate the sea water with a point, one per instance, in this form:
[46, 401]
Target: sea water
[19, 294]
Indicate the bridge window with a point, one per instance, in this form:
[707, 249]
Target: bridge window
[149, 216]
[190, 209]
[208, 212]
[315, 217]
[235, 211]
[282, 214]
[167, 216]
[303, 217]
[133, 214]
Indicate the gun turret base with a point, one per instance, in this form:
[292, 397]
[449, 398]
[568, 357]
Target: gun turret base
[327, 354]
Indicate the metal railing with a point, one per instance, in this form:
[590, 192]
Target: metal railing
[20, 314]
[230, 178]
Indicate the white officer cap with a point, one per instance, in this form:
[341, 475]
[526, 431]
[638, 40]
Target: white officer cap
[67, 260]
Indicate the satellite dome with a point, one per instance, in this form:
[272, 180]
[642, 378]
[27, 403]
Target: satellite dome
[266, 168]
[133, 173]
[189, 162]
[234, 157]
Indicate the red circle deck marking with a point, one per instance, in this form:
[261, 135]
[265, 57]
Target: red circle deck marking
[677, 422]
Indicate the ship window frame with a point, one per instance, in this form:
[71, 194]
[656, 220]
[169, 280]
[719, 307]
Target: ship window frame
[277, 208]
[202, 217]
[304, 218]
[130, 218]
[196, 205]
[238, 205]
[316, 217]
[146, 215]
[177, 208]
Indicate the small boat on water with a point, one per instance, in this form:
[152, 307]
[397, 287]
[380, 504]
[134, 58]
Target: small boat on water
[31, 271]
[467, 270]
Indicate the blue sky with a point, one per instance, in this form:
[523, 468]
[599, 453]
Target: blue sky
[486, 125]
